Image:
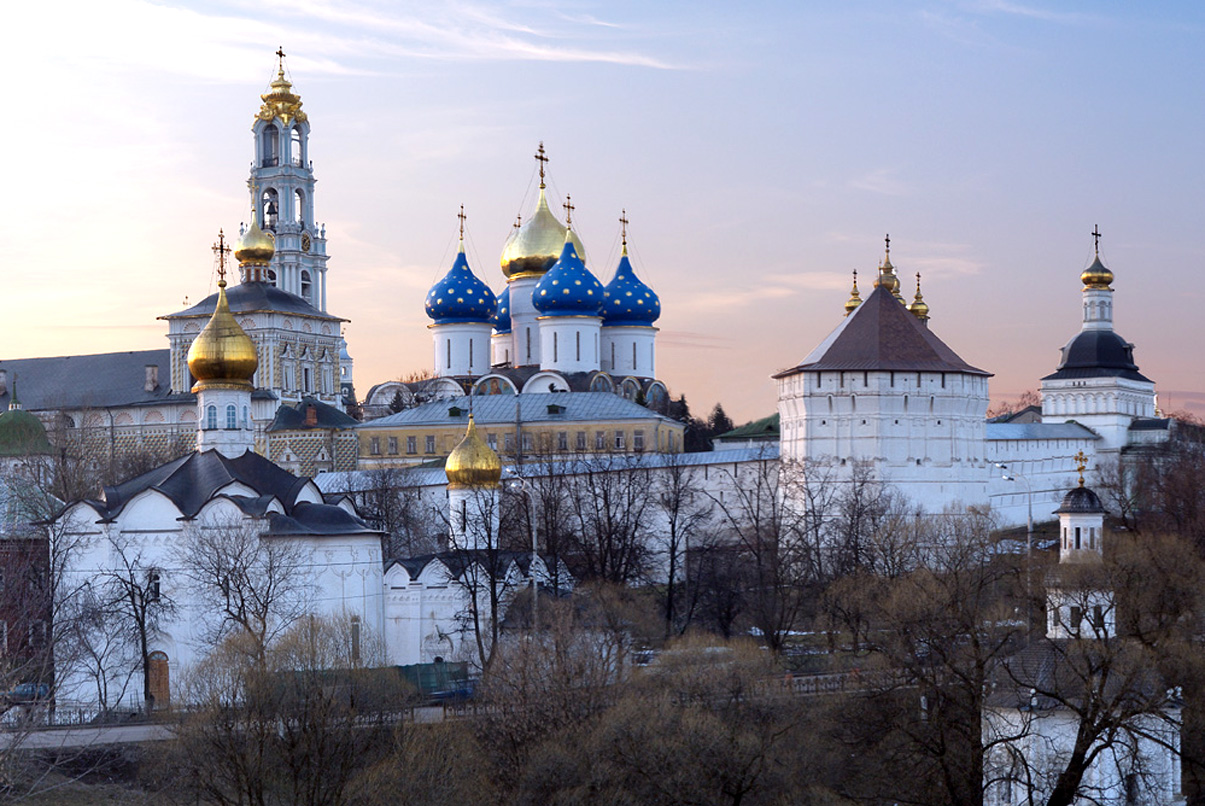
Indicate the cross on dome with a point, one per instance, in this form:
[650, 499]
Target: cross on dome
[280, 55]
[1096, 238]
[569, 208]
[542, 159]
[623, 222]
[221, 250]
[1081, 463]
[461, 216]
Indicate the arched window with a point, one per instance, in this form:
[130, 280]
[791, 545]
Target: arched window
[307, 286]
[231, 417]
[270, 208]
[297, 155]
[299, 214]
[211, 417]
[270, 145]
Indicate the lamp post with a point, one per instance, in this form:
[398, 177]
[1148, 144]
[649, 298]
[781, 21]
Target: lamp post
[520, 486]
[1028, 542]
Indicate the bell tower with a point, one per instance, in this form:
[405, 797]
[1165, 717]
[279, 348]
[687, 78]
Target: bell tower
[282, 192]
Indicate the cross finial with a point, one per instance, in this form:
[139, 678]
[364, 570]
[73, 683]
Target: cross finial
[280, 55]
[918, 282]
[1096, 238]
[542, 159]
[221, 250]
[461, 216]
[887, 240]
[569, 208]
[623, 222]
[1081, 463]
[518, 221]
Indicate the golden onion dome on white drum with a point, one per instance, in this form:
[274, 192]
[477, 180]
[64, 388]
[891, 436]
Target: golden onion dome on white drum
[222, 354]
[472, 463]
[535, 245]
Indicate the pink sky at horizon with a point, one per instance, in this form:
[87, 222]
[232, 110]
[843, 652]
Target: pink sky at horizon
[761, 156]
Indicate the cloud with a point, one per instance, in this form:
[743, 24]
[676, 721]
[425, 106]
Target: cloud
[1030, 12]
[881, 181]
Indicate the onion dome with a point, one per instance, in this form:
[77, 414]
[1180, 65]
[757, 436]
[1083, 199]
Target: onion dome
[627, 300]
[472, 463]
[1081, 500]
[887, 274]
[568, 288]
[501, 318]
[534, 246]
[918, 307]
[855, 299]
[1097, 275]
[255, 247]
[21, 433]
[280, 101]
[222, 353]
[460, 296]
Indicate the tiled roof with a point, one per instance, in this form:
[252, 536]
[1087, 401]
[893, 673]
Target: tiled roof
[882, 335]
[1000, 431]
[90, 381]
[531, 408]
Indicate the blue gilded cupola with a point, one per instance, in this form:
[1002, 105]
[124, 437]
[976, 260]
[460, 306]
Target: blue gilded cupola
[501, 318]
[461, 296]
[627, 301]
[568, 288]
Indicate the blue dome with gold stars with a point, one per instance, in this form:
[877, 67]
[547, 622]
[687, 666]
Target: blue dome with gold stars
[627, 300]
[501, 318]
[460, 296]
[568, 288]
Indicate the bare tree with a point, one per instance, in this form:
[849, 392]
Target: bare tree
[609, 501]
[685, 510]
[392, 503]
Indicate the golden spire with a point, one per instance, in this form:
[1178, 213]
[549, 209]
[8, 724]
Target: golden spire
[855, 299]
[1081, 464]
[280, 101]
[887, 273]
[222, 354]
[472, 463]
[918, 308]
[535, 245]
[623, 223]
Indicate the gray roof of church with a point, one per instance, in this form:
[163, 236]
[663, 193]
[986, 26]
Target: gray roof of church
[196, 478]
[1097, 354]
[90, 381]
[997, 431]
[532, 407]
[881, 335]
[293, 417]
[254, 297]
[1054, 673]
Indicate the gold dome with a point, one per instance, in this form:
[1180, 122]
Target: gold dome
[280, 101]
[1097, 275]
[472, 463]
[222, 354]
[536, 244]
[256, 247]
[855, 299]
[918, 307]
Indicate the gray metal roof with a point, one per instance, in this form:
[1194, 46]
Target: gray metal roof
[251, 297]
[89, 381]
[1001, 431]
[532, 408]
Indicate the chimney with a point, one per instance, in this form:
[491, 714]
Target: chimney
[152, 377]
[3, 381]
[311, 416]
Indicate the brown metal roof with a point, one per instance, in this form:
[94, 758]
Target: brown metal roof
[882, 335]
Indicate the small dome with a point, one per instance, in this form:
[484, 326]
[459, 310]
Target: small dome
[501, 318]
[1080, 501]
[918, 307]
[280, 101]
[536, 244]
[222, 353]
[472, 463]
[627, 300]
[1097, 275]
[855, 298]
[460, 296]
[568, 288]
[22, 434]
[256, 247]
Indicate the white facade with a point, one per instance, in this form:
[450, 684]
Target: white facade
[461, 348]
[630, 350]
[569, 343]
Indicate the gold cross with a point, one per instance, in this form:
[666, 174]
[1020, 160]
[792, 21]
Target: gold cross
[461, 217]
[569, 208]
[1096, 238]
[221, 250]
[623, 221]
[1081, 463]
[541, 159]
[887, 240]
[280, 54]
[518, 221]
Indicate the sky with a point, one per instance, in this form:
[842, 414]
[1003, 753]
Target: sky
[761, 151]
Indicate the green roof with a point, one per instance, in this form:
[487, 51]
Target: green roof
[22, 434]
[765, 428]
